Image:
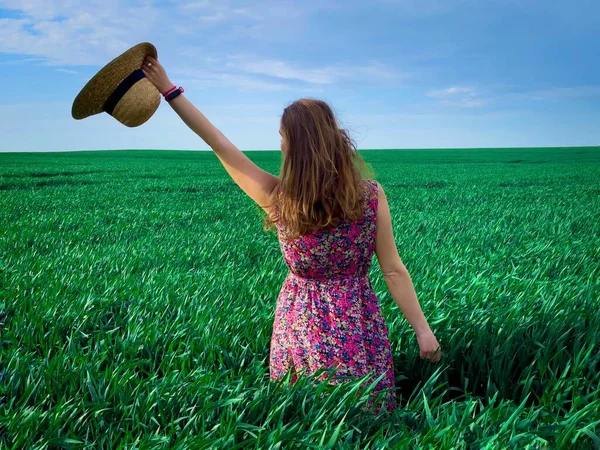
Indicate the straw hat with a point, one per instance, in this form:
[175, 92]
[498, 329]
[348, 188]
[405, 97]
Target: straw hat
[121, 89]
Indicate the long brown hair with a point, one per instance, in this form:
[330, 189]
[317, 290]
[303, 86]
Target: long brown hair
[321, 172]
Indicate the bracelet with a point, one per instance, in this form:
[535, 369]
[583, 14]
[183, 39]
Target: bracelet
[170, 96]
[168, 91]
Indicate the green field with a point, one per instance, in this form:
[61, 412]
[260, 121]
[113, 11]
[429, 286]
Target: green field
[138, 290]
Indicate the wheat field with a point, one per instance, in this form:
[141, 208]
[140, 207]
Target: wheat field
[138, 290]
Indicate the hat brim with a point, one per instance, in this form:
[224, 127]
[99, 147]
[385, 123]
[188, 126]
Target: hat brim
[94, 94]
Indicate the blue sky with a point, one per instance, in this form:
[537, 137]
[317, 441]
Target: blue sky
[399, 73]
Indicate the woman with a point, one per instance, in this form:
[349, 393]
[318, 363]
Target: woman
[329, 221]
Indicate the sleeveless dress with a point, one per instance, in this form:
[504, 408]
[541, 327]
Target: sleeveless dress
[327, 314]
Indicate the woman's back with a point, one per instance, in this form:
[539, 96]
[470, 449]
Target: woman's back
[340, 251]
[327, 312]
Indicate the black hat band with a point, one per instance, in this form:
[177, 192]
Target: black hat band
[121, 90]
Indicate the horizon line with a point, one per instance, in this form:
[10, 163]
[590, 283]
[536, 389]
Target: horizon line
[278, 150]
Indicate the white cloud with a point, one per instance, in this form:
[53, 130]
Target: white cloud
[227, 21]
[422, 8]
[470, 103]
[370, 71]
[451, 91]
[15, 62]
[559, 93]
[281, 69]
[461, 96]
[248, 72]
[244, 83]
[72, 72]
[75, 33]
[469, 97]
[194, 6]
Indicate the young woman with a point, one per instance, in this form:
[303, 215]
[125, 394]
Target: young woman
[329, 221]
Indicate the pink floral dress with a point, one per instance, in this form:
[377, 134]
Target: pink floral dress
[327, 313]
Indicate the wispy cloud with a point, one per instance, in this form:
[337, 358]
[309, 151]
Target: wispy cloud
[422, 8]
[461, 96]
[234, 9]
[203, 79]
[15, 62]
[366, 73]
[469, 97]
[451, 92]
[251, 72]
[72, 72]
[559, 93]
[281, 69]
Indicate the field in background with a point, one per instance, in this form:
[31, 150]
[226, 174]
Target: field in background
[137, 294]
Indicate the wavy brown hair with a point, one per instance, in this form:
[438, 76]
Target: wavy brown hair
[321, 171]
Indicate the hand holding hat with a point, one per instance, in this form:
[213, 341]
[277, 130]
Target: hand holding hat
[129, 89]
[156, 74]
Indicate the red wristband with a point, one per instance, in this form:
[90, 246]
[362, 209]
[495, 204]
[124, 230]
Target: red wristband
[167, 92]
[174, 93]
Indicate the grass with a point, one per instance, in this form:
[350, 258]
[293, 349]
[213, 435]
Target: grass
[137, 294]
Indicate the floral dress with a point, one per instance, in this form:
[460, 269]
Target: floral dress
[327, 314]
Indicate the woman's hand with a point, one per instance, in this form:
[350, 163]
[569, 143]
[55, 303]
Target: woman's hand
[428, 344]
[155, 72]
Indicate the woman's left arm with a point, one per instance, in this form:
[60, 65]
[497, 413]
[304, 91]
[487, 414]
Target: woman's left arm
[255, 182]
